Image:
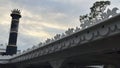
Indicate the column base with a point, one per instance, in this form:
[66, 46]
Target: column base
[11, 50]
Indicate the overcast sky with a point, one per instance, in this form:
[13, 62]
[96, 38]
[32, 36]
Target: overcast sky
[42, 19]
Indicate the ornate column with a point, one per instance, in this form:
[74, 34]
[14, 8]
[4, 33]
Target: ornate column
[12, 48]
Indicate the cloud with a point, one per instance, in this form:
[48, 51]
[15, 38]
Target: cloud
[35, 33]
[42, 19]
[55, 26]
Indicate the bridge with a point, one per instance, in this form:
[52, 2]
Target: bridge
[98, 44]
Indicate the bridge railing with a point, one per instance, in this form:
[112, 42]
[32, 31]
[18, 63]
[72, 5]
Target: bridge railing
[4, 59]
[100, 30]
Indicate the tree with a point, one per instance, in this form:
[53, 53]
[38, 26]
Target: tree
[95, 11]
[48, 40]
[57, 36]
[77, 29]
[40, 44]
[69, 31]
[98, 8]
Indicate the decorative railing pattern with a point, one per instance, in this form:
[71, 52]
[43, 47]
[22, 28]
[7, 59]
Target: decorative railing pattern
[105, 15]
[85, 24]
[104, 29]
[4, 59]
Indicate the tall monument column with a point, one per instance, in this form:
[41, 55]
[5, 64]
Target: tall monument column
[12, 48]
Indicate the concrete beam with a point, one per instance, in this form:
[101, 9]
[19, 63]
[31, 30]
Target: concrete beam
[112, 66]
[108, 66]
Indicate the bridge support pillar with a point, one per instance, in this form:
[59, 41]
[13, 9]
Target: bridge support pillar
[57, 63]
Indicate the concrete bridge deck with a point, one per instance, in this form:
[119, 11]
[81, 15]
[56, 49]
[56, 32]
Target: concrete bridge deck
[96, 45]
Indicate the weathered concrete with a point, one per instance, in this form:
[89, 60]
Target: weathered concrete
[109, 66]
[57, 63]
[98, 44]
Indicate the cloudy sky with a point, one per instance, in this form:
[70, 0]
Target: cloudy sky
[42, 19]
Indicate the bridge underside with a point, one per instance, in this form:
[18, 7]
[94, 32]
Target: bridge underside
[103, 51]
